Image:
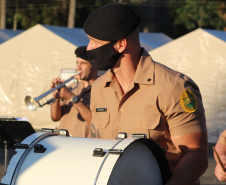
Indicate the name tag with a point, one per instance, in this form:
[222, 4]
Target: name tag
[101, 109]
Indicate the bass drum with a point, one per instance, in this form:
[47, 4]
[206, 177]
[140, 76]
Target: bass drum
[53, 157]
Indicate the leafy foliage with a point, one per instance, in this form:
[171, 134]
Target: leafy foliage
[193, 14]
[184, 15]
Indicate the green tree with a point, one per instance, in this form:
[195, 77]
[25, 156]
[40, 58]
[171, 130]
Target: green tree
[23, 14]
[188, 15]
[27, 13]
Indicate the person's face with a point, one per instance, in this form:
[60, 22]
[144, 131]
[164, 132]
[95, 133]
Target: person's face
[95, 43]
[84, 67]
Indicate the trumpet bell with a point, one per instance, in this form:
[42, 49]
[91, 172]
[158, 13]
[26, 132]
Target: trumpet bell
[31, 103]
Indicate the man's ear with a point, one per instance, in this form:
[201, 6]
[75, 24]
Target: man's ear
[121, 44]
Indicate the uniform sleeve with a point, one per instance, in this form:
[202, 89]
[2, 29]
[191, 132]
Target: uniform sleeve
[184, 110]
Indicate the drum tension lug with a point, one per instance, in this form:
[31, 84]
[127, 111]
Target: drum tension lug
[47, 130]
[38, 148]
[64, 132]
[139, 136]
[21, 146]
[115, 151]
[121, 135]
[98, 152]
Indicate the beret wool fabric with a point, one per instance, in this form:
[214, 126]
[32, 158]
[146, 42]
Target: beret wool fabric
[81, 53]
[111, 22]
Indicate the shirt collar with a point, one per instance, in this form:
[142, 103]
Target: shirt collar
[145, 70]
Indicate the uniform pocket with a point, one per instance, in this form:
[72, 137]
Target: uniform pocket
[102, 120]
[147, 124]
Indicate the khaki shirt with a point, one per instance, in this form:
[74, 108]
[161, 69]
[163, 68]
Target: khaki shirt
[71, 118]
[222, 138]
[150, 106]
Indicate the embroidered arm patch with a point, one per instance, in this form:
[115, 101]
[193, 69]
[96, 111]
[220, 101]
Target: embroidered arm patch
[188, 101]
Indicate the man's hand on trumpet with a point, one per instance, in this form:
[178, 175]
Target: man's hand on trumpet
[55, 82]
[63, 92]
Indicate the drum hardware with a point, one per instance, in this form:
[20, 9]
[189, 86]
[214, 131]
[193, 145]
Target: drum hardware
[38, 148]
[123, 135]
[33, 103]
[47, 130]
[21, 146]
[137, 136]
[115, 151]
[61, 132]
[100, 152]
[64, 132]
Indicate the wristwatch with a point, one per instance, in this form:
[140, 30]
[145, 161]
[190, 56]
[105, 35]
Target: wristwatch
[75, 99]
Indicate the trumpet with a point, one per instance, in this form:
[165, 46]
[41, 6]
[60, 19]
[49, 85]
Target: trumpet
[33, 103]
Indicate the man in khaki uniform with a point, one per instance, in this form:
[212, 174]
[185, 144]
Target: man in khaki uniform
[220, 147]
[72, 107]
[139, 95]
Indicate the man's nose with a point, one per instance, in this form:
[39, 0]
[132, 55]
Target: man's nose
[78, 67]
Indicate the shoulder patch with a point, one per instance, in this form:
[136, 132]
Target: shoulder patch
[188, 101]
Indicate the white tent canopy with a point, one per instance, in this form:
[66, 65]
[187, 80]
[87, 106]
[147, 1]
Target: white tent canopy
[29, 61]
[201, 55]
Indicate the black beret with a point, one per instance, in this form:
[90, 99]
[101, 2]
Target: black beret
[81, 53]
[111, 22]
